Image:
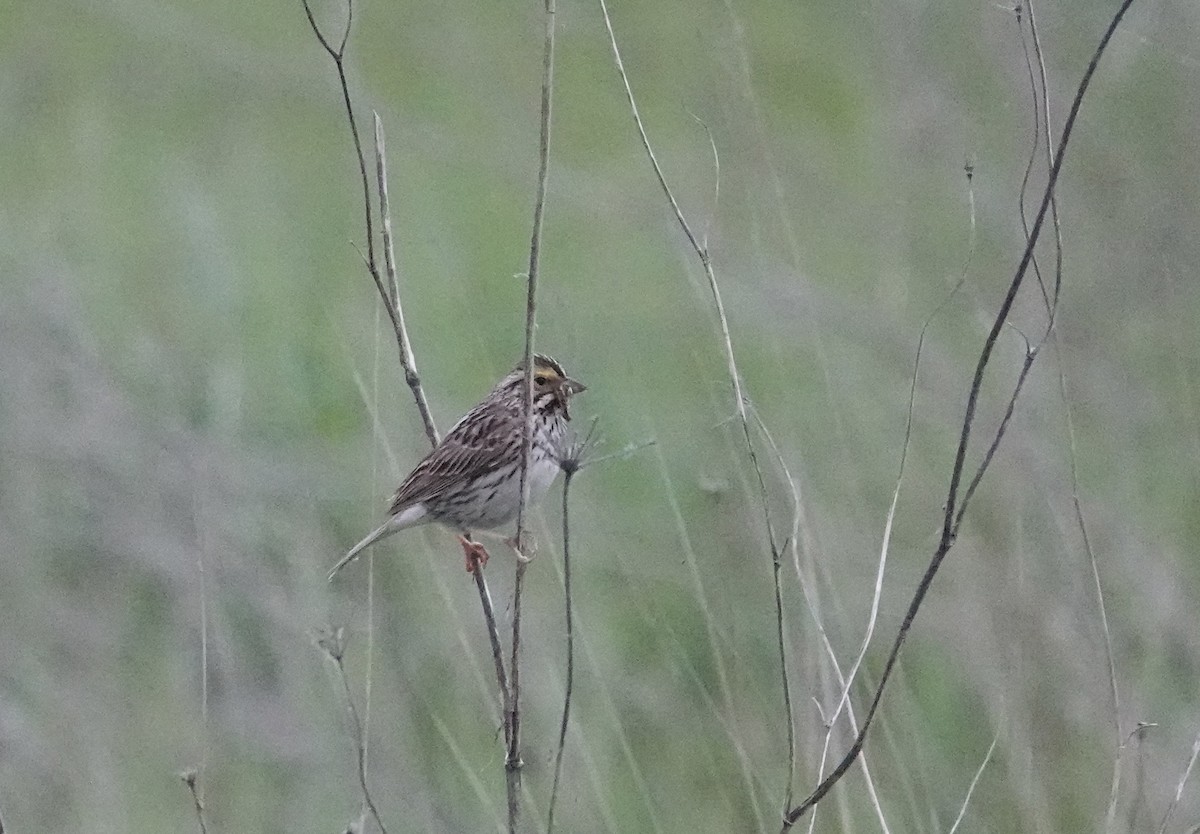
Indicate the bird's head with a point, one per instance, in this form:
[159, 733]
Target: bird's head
[552, 388]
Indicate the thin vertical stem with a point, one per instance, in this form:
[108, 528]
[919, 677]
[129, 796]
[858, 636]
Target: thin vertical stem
[570, 620]
[512, 761]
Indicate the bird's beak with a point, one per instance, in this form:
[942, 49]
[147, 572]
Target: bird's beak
[566, 389]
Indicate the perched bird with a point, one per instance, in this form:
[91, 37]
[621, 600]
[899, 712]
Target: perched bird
[472, 479]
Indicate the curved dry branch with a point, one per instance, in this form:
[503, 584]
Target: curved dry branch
[700, 247]
[333, 643]
[953, 514]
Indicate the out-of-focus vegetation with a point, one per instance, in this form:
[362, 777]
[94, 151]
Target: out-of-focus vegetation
[192, 352]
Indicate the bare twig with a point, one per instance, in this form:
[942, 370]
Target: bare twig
[1138, 737]
[489, 618]
[570, 622]
[812, 603]
[1039, 95]
[338, 55]
[702, 253]
[1052, 307]
[333, 643]
[407, 361]
[950, 519]
[390, 296]
[571, 464]
[512, 760]
[962, 811]
[1048, 144]
[189, 778]
[199, 779]
[1187, 771]
[904, 446]
[846, 682]
[388, 292]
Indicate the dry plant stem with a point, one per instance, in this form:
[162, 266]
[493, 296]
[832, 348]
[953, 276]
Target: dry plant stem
[1098, 589]
[360, 748]
[570, 624]
[1138, 736]
[512, 760]
[702, 253]
[1038, 95]
[845, 682]
[189, 779]
[391, 303]
[951, 519]
[1047, 143]
[571, 463]
[489, 618]
[1187, 771]
[203, 674]
[904, 446]
[811, 603]
[338, 55]
[388, 293]
[407, 361]
[962, 811]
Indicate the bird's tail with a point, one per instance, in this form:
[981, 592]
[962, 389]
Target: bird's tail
[381, 532]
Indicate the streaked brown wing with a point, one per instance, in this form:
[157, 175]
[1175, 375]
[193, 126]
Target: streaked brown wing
[470, 449]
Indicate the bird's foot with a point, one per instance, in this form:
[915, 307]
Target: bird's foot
[476, 554]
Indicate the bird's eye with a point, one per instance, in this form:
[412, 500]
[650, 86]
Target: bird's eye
[540, 380]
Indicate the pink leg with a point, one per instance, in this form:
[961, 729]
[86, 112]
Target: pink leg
[475, 553]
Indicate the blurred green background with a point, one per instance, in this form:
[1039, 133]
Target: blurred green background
[192, 353]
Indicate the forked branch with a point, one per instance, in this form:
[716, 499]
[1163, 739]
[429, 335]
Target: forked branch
[389, 294]
[953, 513]
[700, 247]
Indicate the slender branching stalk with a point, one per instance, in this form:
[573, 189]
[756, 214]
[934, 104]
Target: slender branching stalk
[493, 630]
[189, 778]
[1044, 141]
[700, 247]
[811, 603]
[389, 294]
[512, 719]
[338, 56]
[571, 463]
[952, 516]
[333, 643]
[847, 682]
